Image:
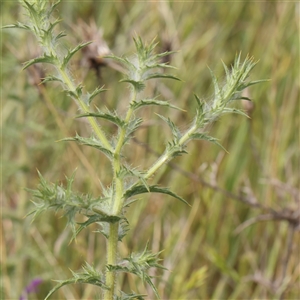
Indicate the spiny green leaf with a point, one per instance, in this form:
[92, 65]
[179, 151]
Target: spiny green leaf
[160, 75]
[52, 78]
[107, 190]
[226, 71]
[32, 10]
[162, 66]
[138, 68]
[17, 25]
[175, 130]
[204, 136]
[122, 230]
[52, 7]
[127, 203]
[56, 197]
[139, 264]
[59, 35]
[124, 61]
[138, 85]
[176, 149]
[96, 218]
[97, 91]
[131, 296]
[246, 98]
[89, 276]
[48, 33]
[43, 59]
[70, 182]
[234, 111]
[79, 90]
[237, 59]
[141, 189]
[105, 230]
[217, 90]
[70, 53]
[112, 117]
[131, 127]
[75, 94]
[247, 84]
[126, 171]
[146, 102]
[200, 112]
[144, 51]
[199, 102]
[116, 268]
[163, 54]
[92, 142]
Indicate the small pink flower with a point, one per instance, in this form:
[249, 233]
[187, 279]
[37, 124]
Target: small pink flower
[32, 287]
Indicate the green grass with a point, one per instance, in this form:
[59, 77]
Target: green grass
[207, 259]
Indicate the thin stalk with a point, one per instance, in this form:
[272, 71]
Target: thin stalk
[62, 126]
[112, 242]
[112, 253]
[117, 206]
[84, 107]
[168, 154]
[48, 46]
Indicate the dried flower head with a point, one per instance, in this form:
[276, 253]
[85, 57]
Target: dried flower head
[94, 53]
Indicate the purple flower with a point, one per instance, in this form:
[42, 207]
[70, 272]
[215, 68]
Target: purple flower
[31, 288]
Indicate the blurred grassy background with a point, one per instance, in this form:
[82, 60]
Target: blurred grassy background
[209, 253]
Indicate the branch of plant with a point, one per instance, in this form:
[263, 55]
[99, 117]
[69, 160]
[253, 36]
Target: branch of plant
[42, 28]
[98, 131]
[112, 244]
[76, 149]
[290, 216]
[141, 68]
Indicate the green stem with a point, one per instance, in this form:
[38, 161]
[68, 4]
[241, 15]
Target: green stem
[168, 154]
[112, 242]
[112, 252]
[84, 107]
[118, 204]
[39, 31]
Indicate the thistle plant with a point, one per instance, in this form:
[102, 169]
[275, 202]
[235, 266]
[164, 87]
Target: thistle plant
[108, 210]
